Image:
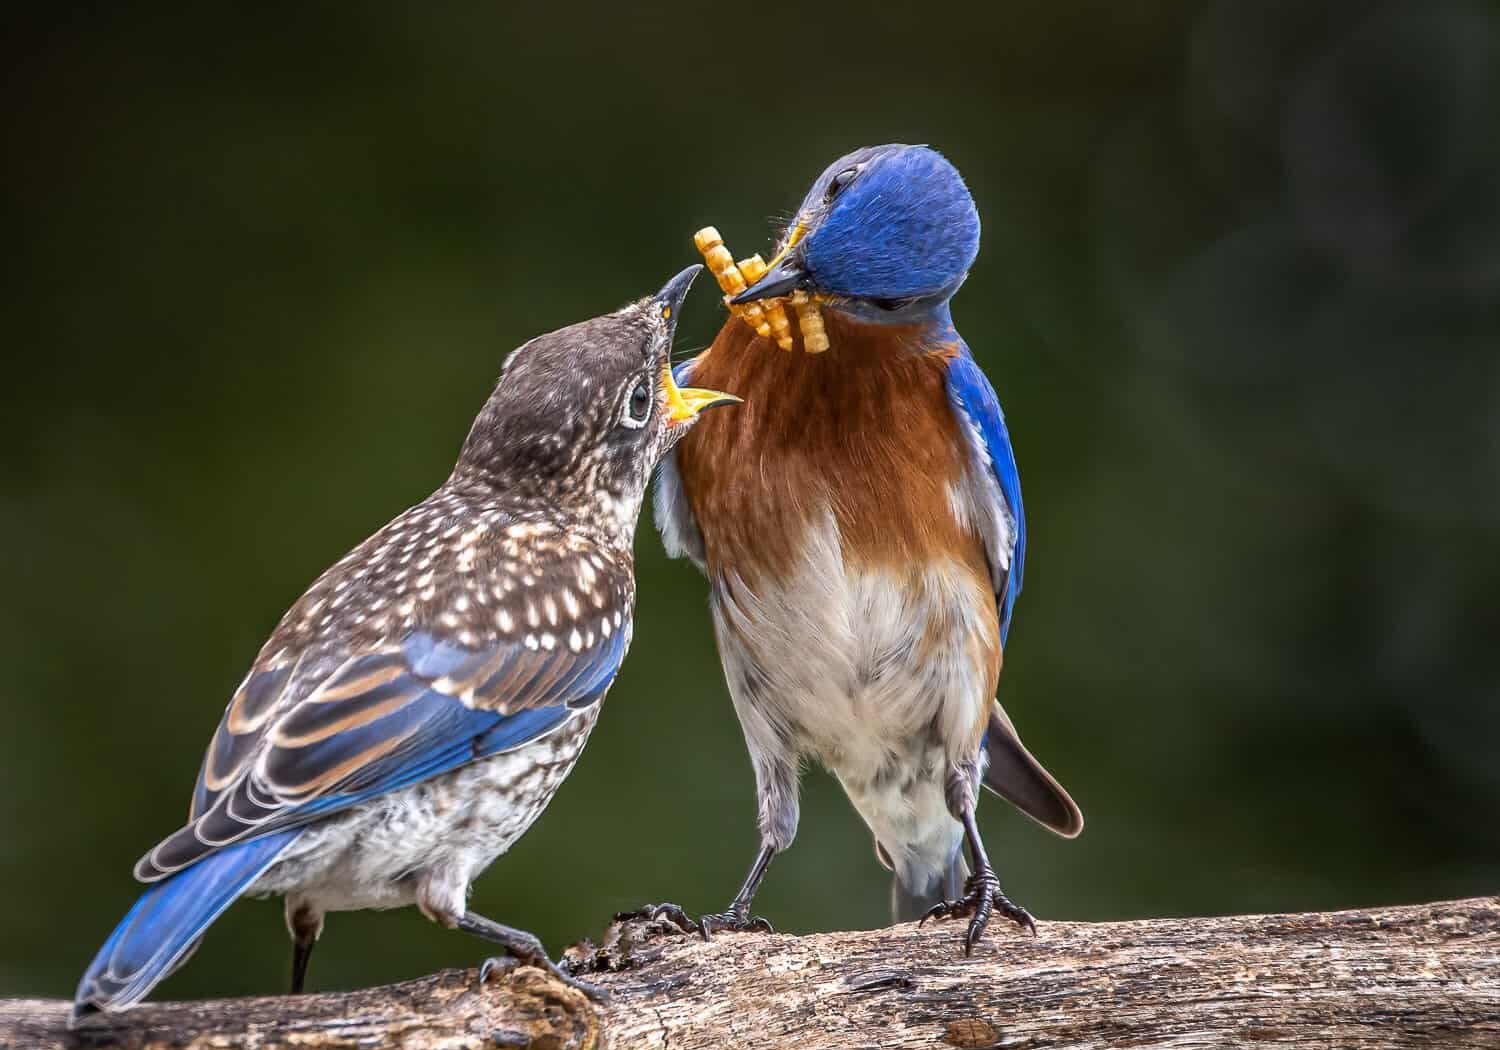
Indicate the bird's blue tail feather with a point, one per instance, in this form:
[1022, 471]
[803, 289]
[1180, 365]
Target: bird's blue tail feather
[167, 921]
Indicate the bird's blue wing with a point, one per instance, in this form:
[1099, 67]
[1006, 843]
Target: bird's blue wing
[996, 487]
[994, 494]
[679, 530]
[378, 721]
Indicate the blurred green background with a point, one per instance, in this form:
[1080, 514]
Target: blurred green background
[1238, 292]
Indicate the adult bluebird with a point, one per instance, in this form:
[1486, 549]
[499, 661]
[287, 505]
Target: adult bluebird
[415, 710]
[860, 524]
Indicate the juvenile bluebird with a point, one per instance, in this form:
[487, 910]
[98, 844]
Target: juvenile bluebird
[415, 710]
[860, 524]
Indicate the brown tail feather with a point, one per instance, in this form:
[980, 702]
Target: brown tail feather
[1019, 778]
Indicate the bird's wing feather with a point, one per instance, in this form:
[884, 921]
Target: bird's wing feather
[994, 498]
[372, 723]
[679, 530]
[995, 483]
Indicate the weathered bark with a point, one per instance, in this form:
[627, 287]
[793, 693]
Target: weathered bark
[1423, 976]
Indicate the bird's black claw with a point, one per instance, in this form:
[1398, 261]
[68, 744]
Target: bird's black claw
[941, 910]
[1014, 912]
[499, 965]
[982, 897]
[735, 920]
[658, 913]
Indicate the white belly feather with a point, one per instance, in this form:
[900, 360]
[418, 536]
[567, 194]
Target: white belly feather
[880, 674]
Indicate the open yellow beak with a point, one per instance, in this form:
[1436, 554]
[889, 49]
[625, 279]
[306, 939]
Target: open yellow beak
[684, 404]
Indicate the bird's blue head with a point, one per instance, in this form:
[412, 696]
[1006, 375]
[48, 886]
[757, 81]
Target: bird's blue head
[886, 233]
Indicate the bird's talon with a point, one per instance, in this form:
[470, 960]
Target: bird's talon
[500, 965]
[981, 899]
[735, 920]
[946, 910]
[1014, 912]
[659, 913]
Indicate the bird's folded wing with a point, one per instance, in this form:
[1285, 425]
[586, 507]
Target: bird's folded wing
[299, 743]
[994, 497]
[994, 482]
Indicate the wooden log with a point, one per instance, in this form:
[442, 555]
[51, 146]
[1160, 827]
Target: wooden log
[1420, 976]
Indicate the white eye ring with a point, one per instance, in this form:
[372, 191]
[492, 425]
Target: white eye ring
[633, 404]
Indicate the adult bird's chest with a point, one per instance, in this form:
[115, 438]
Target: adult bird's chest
[852, 600]
[864, 433]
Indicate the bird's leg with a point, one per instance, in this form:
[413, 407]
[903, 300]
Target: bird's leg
[523, 946]
[305, 923]
[736, 917]
[301, 956]
[982, 893]
[776, 798]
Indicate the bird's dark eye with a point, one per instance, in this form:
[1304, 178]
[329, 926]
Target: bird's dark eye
[640, 403]
[839, 182]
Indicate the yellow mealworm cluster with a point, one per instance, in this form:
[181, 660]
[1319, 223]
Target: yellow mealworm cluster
[768, 316]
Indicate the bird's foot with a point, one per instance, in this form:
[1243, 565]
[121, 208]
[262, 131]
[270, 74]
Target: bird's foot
[668, 913]
[736, 919]
[982, 897]
[522, 947]
[499, 965]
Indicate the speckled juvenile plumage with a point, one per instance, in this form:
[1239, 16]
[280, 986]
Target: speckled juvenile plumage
[483, 571]
[455, 826]
[416, 709]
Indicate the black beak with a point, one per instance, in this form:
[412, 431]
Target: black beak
[782, 279]
[669, 299]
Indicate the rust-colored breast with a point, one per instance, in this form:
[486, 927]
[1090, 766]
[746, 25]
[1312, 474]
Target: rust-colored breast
[865, 430]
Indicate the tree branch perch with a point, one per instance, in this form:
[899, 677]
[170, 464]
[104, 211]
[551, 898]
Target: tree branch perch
[1422, 976]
